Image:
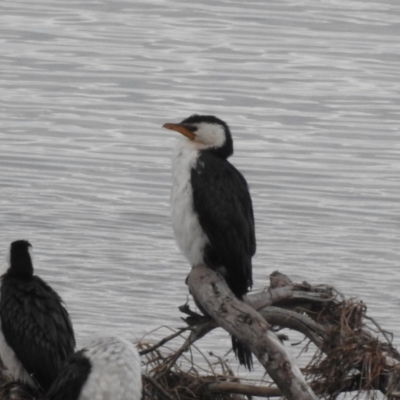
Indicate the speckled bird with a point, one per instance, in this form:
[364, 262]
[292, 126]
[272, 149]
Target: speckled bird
[108, 368]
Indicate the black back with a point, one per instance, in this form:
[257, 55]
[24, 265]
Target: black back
[222, 201]
[73, 375]
[36, 326]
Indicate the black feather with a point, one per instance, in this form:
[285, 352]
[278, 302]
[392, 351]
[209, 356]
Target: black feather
[73, 375]
[35, 324]
[223, 204]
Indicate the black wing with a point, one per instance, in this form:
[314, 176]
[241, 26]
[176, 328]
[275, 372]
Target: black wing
[36, 326]
[222, 201]
[70, 380]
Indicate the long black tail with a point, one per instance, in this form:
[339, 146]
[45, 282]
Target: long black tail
[242, 353]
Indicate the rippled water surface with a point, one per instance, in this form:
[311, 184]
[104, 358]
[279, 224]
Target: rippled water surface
[310, 90]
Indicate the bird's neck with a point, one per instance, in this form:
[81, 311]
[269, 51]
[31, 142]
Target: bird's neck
[21, 268]
[184, 158]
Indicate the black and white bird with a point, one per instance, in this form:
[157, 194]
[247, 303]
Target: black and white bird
[108, 368]
[212, 212]
[36, 334]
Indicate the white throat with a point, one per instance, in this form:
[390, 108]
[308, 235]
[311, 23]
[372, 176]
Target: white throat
[188, 233]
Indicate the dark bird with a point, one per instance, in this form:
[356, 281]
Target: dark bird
[108, 368]
[36, 333]
[212, 212]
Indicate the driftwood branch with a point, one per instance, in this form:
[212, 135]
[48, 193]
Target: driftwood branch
[273, 315]
[344, 340]
[239, 319]
[246, 390]
[290, 296]
[295, 321]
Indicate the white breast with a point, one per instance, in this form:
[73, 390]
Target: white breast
[188, 233]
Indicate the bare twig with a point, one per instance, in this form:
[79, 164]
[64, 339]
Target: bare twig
[163, 341]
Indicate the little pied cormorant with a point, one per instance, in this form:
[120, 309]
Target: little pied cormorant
[212, 212]
[36, 334]
[108, 368]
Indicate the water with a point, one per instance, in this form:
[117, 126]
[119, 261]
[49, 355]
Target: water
[310, 90]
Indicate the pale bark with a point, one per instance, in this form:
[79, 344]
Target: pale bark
[246, 324]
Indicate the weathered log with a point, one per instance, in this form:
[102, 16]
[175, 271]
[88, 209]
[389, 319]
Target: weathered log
[239, 319]
[295, 321]
[273, 315]
[339, 327]
[293, 295]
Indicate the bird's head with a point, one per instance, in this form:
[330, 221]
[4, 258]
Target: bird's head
[207, 133]
[20, 259]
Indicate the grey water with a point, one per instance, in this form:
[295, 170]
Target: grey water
[310, 89]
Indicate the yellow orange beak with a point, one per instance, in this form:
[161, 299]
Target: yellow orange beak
[181, 129]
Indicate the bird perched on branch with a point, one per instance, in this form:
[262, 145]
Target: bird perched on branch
[36, 333]
[212, 212]
[107, 369]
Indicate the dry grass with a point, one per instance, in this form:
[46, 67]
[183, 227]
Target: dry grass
[173, 374]
[354, 357]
